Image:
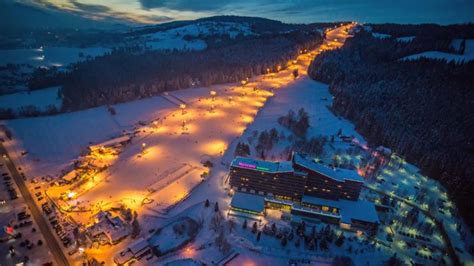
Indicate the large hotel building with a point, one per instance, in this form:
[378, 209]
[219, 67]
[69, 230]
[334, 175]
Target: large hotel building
[306, 189]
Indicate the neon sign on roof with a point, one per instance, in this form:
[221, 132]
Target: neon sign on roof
[252, 166]
[246, 165]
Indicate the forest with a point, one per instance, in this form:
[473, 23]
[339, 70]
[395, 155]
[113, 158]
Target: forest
[422, 109]
[130, 73]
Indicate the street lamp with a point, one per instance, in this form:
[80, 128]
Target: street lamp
[143, 146]
[182, 107]
[230, 99]
[213, 95]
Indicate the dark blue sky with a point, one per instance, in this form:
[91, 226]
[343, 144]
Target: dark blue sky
[378, 11]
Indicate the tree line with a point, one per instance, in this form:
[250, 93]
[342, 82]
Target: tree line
[127, 74]
[421, 109]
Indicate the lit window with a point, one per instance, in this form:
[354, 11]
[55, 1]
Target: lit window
[325, 208]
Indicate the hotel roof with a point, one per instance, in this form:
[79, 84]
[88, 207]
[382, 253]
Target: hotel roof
[248, 201]
[337, 174]
[349, 210]
[259, 165]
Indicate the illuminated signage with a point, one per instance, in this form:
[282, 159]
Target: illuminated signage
[246, 165]
[252, 166]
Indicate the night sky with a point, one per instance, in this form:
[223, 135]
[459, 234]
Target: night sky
[295, 11]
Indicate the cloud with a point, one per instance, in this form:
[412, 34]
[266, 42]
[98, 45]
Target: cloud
[90, 8]
[185, 5]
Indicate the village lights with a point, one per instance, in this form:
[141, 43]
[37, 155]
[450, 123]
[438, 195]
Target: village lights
[71, 194]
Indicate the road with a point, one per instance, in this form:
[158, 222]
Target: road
[51, 241]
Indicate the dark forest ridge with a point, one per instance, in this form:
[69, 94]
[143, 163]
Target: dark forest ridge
[421, 108]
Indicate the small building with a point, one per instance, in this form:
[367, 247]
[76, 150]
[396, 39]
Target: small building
[110, 143]
[112, 228]
[70, 176]
[349, 214]
[247, 203]
[134, 251]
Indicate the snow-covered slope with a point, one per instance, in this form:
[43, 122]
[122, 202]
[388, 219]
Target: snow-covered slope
[42, 99]
[466, 57]
[187, 37]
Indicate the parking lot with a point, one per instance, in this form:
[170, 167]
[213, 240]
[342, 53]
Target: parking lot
[20, 241]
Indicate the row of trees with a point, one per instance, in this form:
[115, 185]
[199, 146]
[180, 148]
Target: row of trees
[421, 109]
[297, 123]
[129, 74]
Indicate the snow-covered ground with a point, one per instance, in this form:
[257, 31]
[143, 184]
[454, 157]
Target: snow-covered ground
[406, 39]
[49, 56]
[381, 35]
[466, 57]
[41, 99]
[187, 37]
[456, 44]
[167, 169]
[53, 141]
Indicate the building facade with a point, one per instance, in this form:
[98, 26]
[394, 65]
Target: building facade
[305, 189]
[276, 179]
[292, 180]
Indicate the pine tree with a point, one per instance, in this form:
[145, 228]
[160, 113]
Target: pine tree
[254, 227]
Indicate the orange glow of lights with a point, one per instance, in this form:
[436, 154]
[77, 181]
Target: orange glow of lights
[249, 263]
[247, 118]
[189, 252]
[214, 147]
